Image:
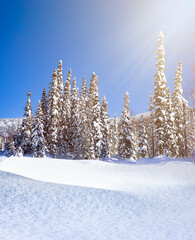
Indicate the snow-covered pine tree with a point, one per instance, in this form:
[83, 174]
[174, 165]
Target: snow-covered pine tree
[38, 140]
[66, 116]
[188, 129]
[177, 100]
[26, 128]
[143, 139]
[74, 120]
[60, 87]
[160, 98]
[104, 129]
[89, 153]
[53, 115]
[10, 149]
[125, 134]
[134, 143]
[19, 152]
[61, 146]
[83, 120]
[113, 137]
[171, 147]
[151, 129]
[94, 114]
[44, 106]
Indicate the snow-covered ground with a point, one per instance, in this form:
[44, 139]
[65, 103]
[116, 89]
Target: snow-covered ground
[86, 200]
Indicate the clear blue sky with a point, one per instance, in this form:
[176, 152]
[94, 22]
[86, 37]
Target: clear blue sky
[116, 39]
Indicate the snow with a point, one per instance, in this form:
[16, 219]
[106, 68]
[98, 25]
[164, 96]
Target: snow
[90, 199]
[9, 125]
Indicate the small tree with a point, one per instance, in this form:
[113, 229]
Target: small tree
[44, 106]
[143, 139]
[104, 129]
[38, 140]
[113, 137]
[124, 147]
[171, 147]
[26, 128]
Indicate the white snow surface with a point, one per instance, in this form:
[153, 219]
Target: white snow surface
[90, 199]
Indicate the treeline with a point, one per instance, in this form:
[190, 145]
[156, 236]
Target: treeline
[72, 124]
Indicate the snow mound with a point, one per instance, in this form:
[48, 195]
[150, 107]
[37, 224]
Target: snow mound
[34, 210]
[123, 176]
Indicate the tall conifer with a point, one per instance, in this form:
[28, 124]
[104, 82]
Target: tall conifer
[94, 114]
[53, 115]
[160, 98]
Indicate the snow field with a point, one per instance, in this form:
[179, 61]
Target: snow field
[151, 199]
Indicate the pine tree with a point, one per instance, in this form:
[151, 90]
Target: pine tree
[104, 129]
[94, 114]
[60, 86]
[160, 98]
[134, 143]
[113, 137]
[171, 147]
[53, 115]
[143, 139]
[10, 149]
[44, 106]
[38, 140]
[89, 153]
[177, 100]
[26, 128]
[74, 120]
[66, 116]
[19, 152]
[151, 128]
[188, 129]
[125, 135]
[83, 120]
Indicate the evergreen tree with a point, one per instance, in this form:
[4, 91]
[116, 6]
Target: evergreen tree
[83, 120]
[188, 129]
[125, 135]
[151, 128]
[104, 129]
[94, 114]
[26, 128]
[19, 152]
[160, 98]
[89, 153]
[143, 139]
[177, 100]
[53, 116]
[60, 86]
[66, 116]
[113, 137]
[134, 143]
[38, 140]
[74, 120]
[171, 147]
[10, 149]
[44, 106]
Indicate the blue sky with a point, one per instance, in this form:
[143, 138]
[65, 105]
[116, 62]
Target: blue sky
[116, 39]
